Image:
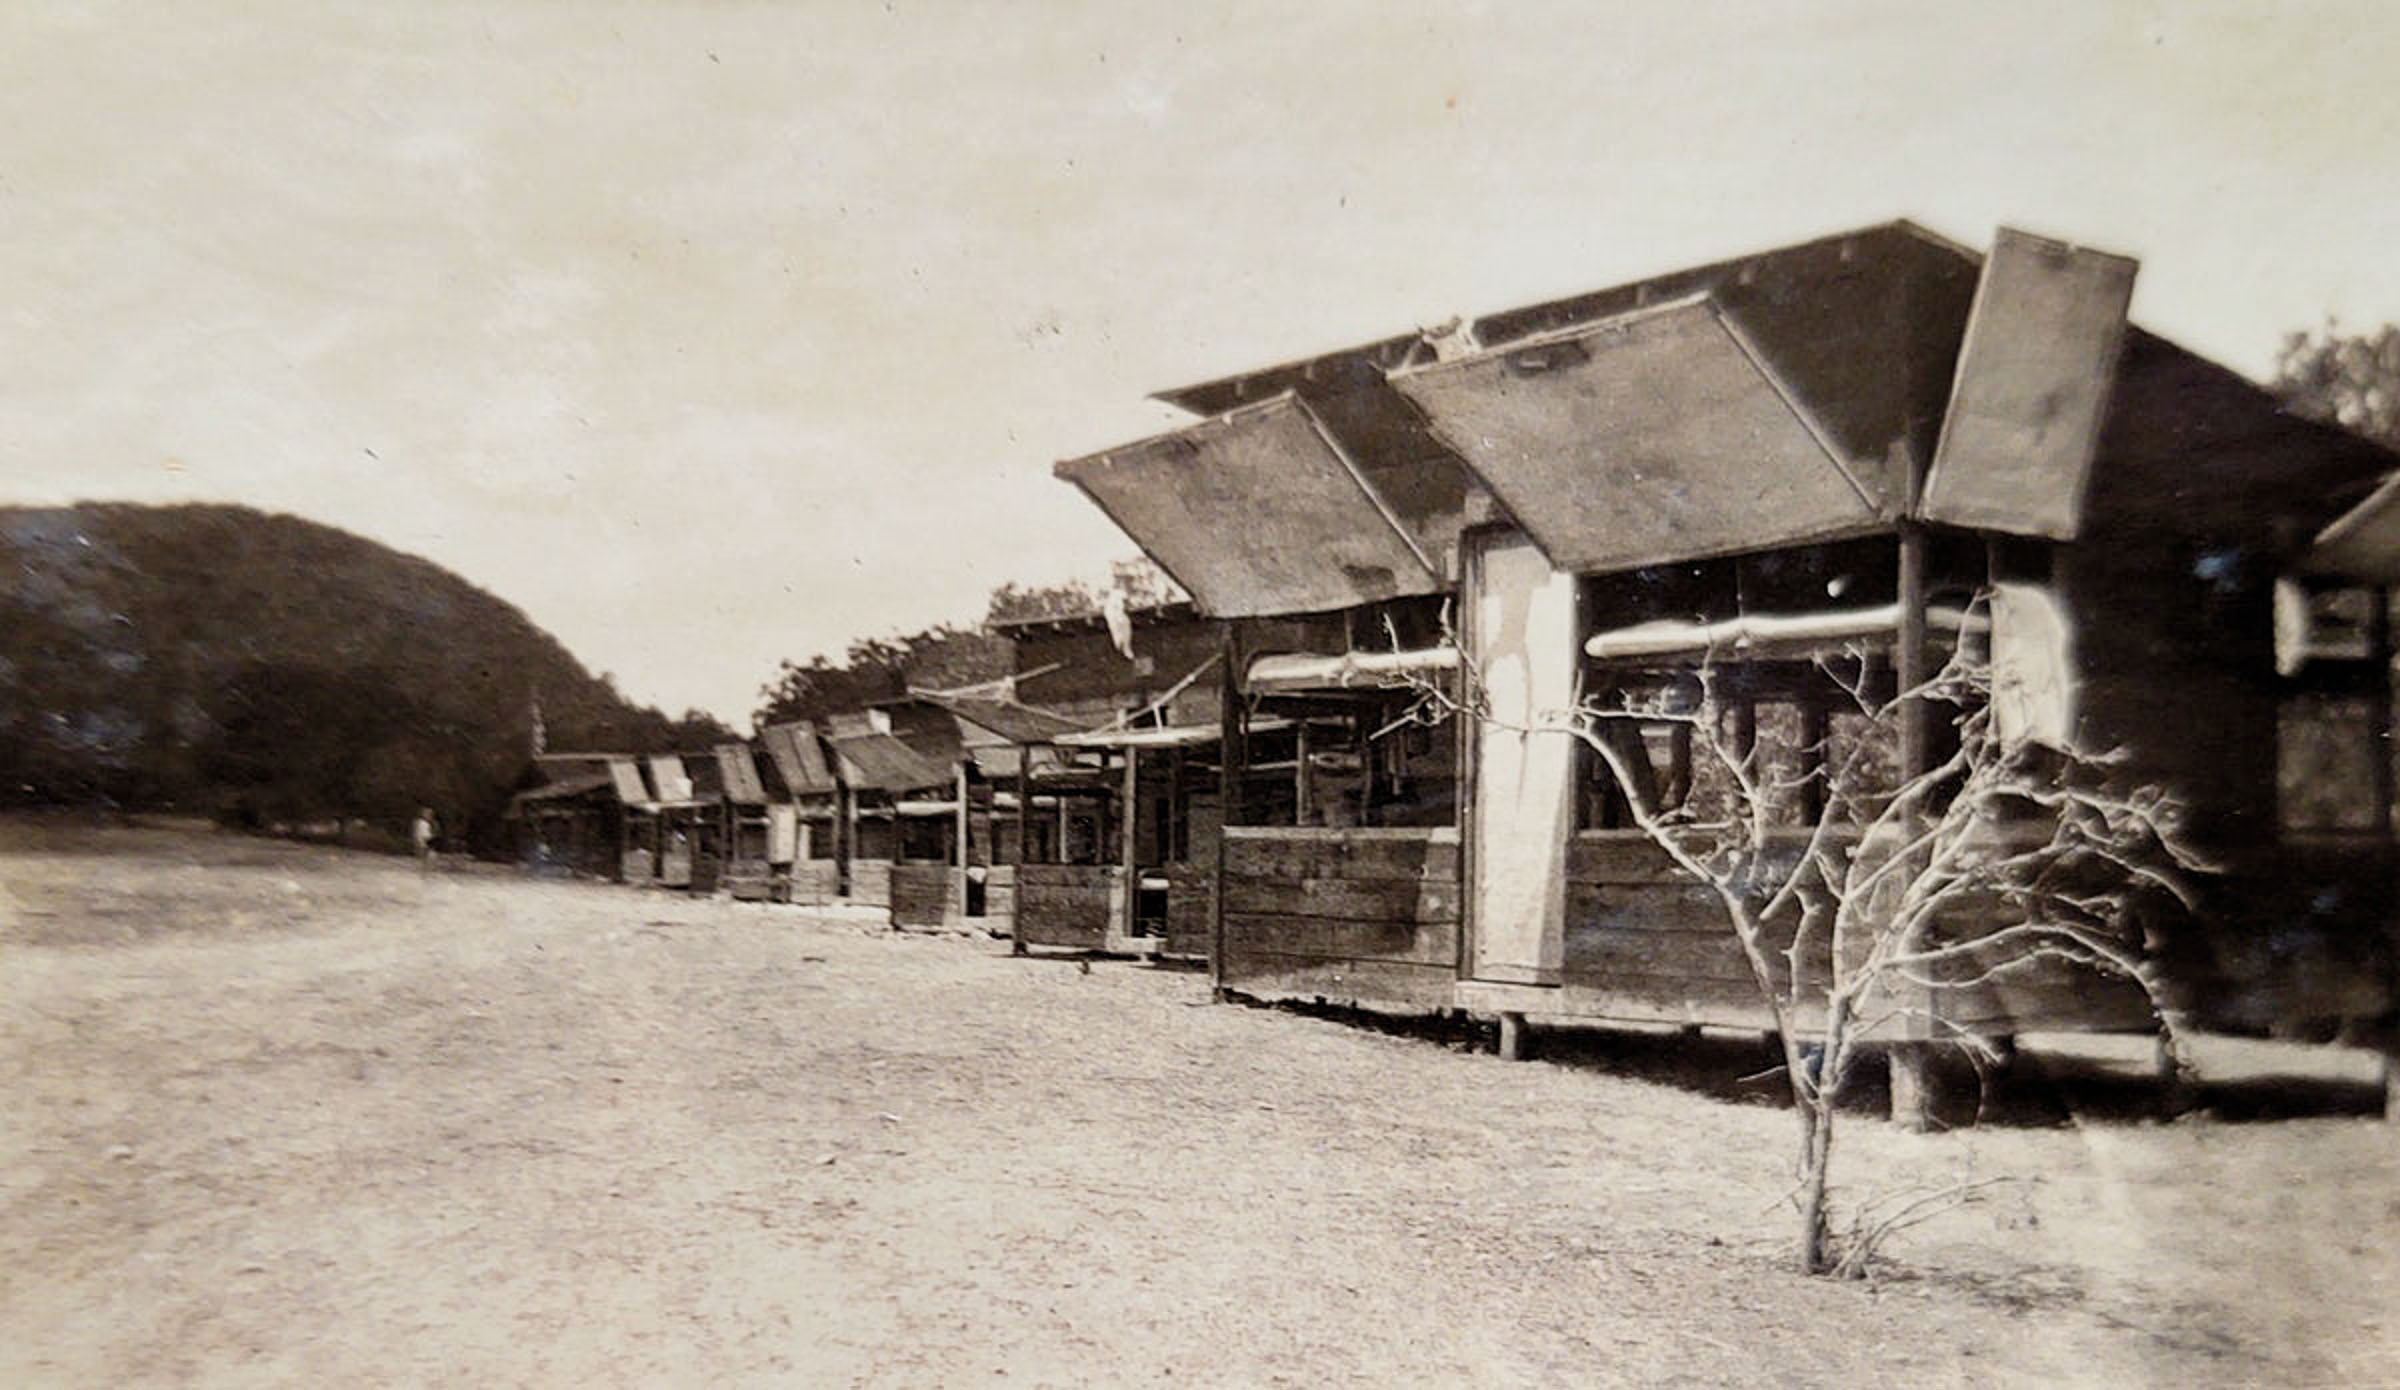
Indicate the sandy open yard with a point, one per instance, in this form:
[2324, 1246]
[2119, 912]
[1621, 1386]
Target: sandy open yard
[280, 1115]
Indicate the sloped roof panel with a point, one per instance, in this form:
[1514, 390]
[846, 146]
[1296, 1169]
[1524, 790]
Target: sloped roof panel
[1257, 513]
[737, 772]
[668, 775]
[1011, 721]
[2364, 542]
[627, 777]
[882, 763]
[799, 758]
[2032, 389]
[1655, 436]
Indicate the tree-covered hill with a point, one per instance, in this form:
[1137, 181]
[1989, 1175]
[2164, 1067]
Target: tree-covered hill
[268, 668]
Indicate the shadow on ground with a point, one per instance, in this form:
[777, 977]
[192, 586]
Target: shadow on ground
[2039, 1088]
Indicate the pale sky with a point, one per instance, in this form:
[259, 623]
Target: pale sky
[711, 333]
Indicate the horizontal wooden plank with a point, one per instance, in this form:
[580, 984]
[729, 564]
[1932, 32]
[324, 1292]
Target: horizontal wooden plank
[1190, 915]
[815, 882]
[1357, 900]
[1680, 906]
[1326, 939]
[1322, 856]
[1619, 857]
[1041, 931]
[1687, 998]
[871, 882]
[920, 894]
[1601, 956]
[1385, 984]
[1065, 875]
[1068, 903]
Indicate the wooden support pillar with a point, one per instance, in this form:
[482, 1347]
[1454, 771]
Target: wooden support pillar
[1230, 757]
[961, 856]
[849, 843]
[1129, 844]
[1129, 838]
[1914, 1081]
[1908, 654]
[1176, 837]
[2379, 707]
[2177, 1089]
[1303, 784]
[1516, 1041]
[1916, 1087]
[1024, 803]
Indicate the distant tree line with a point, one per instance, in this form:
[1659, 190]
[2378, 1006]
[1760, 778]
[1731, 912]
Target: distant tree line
[2347, 379]
[947, 656]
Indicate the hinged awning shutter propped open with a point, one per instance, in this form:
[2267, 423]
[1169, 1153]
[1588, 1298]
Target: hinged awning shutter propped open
[2031, 390]
[1653, 436]
[1257, 513]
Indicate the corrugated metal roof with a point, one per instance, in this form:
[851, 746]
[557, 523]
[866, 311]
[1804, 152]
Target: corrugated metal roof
[1657, 435]
[737, 773]
[799, 758]
[1257, 513]
[2034, 375]
[882, 763]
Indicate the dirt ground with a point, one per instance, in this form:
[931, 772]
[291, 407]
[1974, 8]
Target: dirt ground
[280, 1115]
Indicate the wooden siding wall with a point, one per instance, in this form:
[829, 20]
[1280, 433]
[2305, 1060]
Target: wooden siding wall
[871, 882]
[2175, 660]
[1190, 916]
[921, 894]
[999, 899]
[2297, 935]
[1648, 943]
[1359, 915]
[815, 882]
[1066, 905]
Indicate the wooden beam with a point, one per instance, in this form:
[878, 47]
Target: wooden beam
[1303, 784]
[1908, 653]
[2379, 710]
[1230, 757]
[1024, 803]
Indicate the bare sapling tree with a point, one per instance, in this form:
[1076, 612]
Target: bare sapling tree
[1894, 895]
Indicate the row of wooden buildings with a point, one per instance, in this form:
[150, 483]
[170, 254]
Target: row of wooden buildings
[1826, 449]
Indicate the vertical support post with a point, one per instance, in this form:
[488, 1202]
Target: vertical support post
[1129, 827]
[1908, 655]
[1303, 785]
[1024, 803]
[1129, 843]
[2379, 653]
[1516, 1042]
[963, 858]
[1230, 757]
[1913, 1085]
[849, 842]
[1178, 836]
